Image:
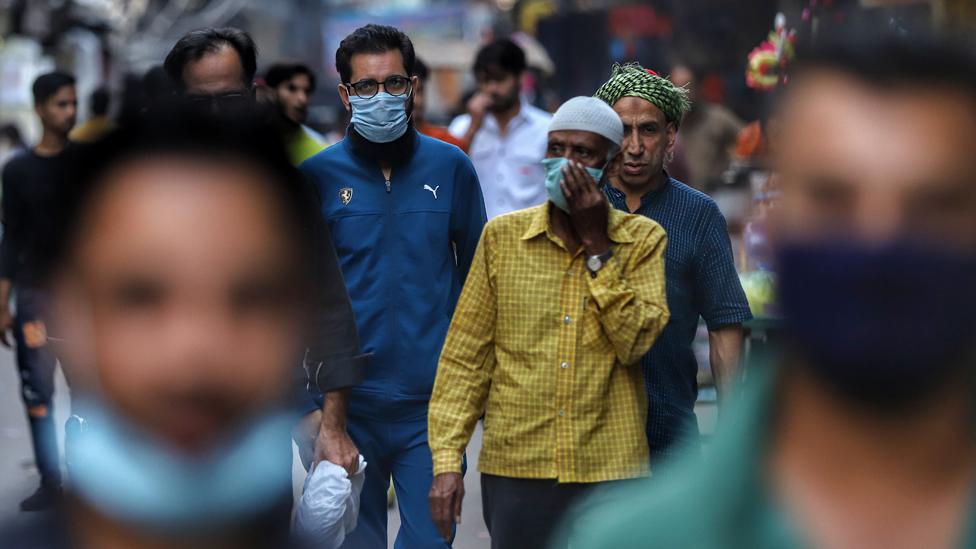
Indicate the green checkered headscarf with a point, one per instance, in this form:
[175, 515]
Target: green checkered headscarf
[633, 80]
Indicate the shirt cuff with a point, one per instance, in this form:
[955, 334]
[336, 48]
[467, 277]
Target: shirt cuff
[331, 374]
[446, 461]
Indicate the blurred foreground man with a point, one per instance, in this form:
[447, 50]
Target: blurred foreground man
[405, 212]
[31, 182]
[862, 435]
[562, 301]
[504, 134]
[214, 69]
[702, 281]
[180, 336]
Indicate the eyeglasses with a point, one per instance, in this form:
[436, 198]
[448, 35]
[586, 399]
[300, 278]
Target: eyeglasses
[394, 85]
[219, 101]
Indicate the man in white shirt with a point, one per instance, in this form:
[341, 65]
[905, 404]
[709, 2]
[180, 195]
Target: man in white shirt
[505, 135]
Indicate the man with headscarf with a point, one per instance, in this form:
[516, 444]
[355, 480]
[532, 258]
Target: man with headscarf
[700, 271]
[562, 301]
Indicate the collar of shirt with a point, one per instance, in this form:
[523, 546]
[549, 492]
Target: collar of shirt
[619, 199]
[540, 225]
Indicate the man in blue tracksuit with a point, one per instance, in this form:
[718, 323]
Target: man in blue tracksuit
[405, 213]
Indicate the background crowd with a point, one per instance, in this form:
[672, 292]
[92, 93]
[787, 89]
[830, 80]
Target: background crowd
[431, 244]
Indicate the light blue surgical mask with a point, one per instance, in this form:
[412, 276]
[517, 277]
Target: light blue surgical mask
[135, 478]
[381, 118]
[554, 176]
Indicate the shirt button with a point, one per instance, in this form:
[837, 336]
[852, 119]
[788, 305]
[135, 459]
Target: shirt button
[562, 413]
[567, 319]
[564, 365]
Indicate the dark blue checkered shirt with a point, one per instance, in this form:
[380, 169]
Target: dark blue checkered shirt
[701, 282]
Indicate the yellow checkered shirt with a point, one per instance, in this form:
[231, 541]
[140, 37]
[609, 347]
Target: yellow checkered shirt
[550, 354]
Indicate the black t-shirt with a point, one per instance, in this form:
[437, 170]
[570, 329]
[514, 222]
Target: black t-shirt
[30, 184]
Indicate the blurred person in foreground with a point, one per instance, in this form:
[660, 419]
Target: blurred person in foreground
[419, 109]
[405, 212]
[214, 69]
[504, 134]
[562, 301]
[99, 123]
[707, 138]
[31, 182]
[293, 85]
[702, 281]
[180, 335]
[862, 434]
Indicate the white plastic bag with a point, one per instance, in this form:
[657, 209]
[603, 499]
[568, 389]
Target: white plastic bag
[329, 507]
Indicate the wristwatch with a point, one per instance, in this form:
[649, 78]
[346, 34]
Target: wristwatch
[596, 262]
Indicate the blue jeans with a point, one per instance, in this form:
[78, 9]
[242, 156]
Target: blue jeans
[396, 447]
[36, 364]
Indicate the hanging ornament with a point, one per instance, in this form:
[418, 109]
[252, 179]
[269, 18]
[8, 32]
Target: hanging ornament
[766, 66]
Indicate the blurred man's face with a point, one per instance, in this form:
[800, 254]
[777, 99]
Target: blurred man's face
[872, 164]
[293, 96]
[501, 86]
[59, 112]
[217, 77]
[586, 148]
[191, 328]
[648, 139]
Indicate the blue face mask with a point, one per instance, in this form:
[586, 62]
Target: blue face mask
[381, 118]
[134, 478]
[554, 176]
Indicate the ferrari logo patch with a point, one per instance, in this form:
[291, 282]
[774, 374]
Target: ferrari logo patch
[345, 195]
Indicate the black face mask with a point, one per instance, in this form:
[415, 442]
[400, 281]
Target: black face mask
[884, 327]
[396, 152]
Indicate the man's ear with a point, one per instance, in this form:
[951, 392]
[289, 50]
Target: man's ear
[344, 97]
[672, 135]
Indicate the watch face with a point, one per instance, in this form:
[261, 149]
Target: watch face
[594, 263]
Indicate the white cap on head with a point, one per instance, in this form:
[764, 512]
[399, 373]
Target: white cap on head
[588, 114]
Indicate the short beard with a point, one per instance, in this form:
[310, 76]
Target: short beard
[507, 105]
[396, 152]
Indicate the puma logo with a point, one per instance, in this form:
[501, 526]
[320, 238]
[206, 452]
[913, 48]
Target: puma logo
[432, 191]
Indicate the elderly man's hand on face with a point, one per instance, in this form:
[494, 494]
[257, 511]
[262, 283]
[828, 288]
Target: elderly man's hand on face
[588, 208]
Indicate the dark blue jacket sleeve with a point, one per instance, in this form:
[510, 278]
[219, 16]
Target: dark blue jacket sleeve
[468, 216]
[719, 293]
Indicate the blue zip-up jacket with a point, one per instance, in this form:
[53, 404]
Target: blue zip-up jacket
[405, 249]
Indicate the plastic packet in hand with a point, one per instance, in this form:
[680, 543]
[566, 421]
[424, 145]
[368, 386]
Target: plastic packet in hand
[329, 506]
